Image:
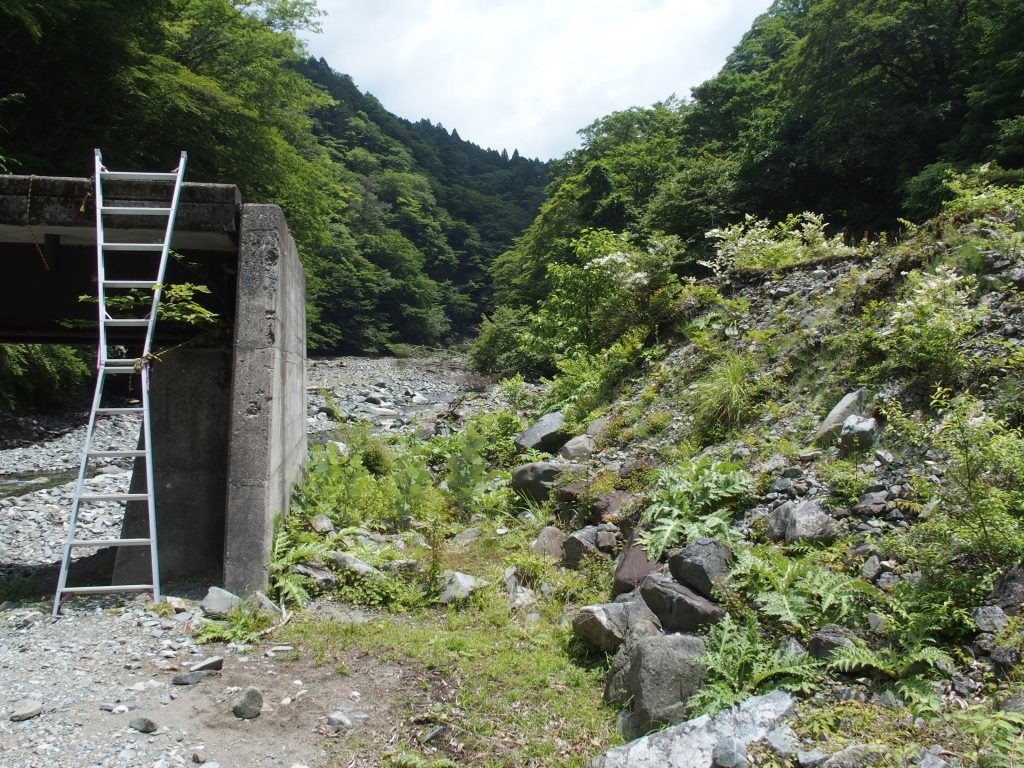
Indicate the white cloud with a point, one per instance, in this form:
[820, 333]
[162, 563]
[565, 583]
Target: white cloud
[528, 74]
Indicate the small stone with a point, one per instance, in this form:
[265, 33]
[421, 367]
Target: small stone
[142, 724]
[930, 760]
[811, 759]
[198, 757]
[26, 710]
[189, 678]
[339, 720]
[853, 756]
[248, 704]
[212, 663]
[456, 586]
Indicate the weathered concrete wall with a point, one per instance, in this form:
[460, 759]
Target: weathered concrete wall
[190, 401]
[268, 425]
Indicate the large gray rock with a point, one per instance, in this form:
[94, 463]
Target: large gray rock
[989, 618]
[691, 744]
[677, 607]
[580, 447]
[609, 625]
[805, 521]
[219, 602]
[658, 674]
[580, 544]
[549, 542]
[536, 479]
[456, 586]
[548, 434]
[350, 565]
[1008, 590]
[854, 756]
[701, 565]
[631, 568]
[858, 434]
[829, 429]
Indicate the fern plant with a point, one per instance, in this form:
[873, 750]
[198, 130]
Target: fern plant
[288, 550]
[907, 667]
[740, 663]
[690, 500]
[797, 593]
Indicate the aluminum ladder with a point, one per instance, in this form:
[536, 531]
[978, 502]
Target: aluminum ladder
[109, 289]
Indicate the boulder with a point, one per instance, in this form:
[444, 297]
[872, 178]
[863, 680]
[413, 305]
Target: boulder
[701, 565]
[989, 618]
[547, 434]
[549, 542]
[350, 565]
[677, 607]
[691, 744]
[597, 427]
[729, 753]
[658, 674]
[1008, 590]
[609, 625]
[580, 447]
[323, 577]
[580, 544]
[322, 524]
[804, 521]
[827, 640]
[456, 586]
[536, 479]
[852, 403]
[259, 603]
[631, 568]
[219, 602]
[858, 434]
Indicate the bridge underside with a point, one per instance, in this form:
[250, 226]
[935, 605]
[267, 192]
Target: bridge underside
[228, 406]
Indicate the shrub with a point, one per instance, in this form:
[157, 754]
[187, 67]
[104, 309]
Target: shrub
[39, 374]
[497, 347]
[759, 244]
[927, 329]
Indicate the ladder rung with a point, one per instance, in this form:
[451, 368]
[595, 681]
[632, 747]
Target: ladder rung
[120, 210]
[110, 543]
[114, 497]
[105, 590]
[133, 246]
[111, 454]
[125, 369]
[119, 410]
[137, 176]
[149, 284]
[127, 322]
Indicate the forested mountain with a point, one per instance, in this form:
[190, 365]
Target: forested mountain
[856, 109]
[397, 223]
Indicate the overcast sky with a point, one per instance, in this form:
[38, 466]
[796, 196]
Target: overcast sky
[527, 74]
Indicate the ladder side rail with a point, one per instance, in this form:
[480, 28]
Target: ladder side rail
[101, 272]
[164, 254]
[76, 502]
[154, 563]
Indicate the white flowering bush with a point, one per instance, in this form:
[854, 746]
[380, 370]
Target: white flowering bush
[928, 329]
[613, 288]
[758, 244]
